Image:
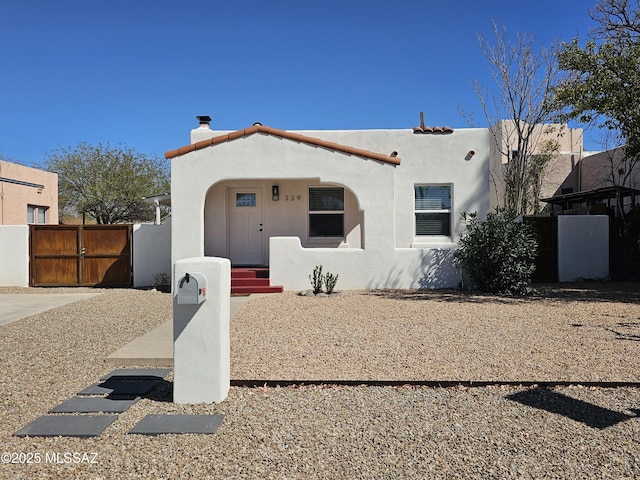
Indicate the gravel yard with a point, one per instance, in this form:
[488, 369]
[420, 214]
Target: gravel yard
[585, 333]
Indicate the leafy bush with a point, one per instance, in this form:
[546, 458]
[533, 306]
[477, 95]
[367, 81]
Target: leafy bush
[317, 279]
[330, 281]
[498, 253]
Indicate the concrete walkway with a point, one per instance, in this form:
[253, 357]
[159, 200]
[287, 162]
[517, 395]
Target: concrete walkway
[156, 347]
[16, 306]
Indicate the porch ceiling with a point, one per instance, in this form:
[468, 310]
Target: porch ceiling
[391, 159]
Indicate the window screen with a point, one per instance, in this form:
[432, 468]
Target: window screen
[326, 199]
[433, 209]
[326, 212]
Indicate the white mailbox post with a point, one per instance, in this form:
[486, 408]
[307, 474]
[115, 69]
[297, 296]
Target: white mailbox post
[201, 352]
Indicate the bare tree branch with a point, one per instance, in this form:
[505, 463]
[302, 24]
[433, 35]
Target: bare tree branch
[515, 108]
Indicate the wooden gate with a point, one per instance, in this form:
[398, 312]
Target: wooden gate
[546, 230]
[80, 255]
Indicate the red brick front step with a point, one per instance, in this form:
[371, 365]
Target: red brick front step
[252, 280]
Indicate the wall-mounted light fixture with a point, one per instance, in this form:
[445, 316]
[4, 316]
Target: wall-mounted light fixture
[275, 193]
[470, 155]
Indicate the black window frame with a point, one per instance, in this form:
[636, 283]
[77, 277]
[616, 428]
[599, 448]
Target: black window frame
[326, 213]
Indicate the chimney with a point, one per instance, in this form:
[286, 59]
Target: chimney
[204, 121]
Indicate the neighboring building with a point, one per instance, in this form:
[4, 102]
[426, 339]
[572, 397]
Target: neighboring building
[607, 169]
[606, 182]
[561, 176]
[27, 195]
[381, 208]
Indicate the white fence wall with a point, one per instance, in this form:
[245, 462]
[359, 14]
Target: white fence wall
[14, 256]
[583, 247]
[151, 252]
[583, 253]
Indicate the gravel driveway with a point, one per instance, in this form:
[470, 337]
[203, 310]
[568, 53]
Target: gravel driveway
[587, 333]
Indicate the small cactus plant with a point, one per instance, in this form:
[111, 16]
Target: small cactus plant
[317, 279]
[330, 281]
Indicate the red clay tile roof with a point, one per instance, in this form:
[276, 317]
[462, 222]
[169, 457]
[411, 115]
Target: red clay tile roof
[428, 129]
[390, 159]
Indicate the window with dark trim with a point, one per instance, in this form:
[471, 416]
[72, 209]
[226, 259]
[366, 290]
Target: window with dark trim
[36, 215]
[432, 209]
[326, 212]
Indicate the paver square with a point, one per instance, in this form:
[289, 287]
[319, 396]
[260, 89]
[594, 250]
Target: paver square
[67, 426]
[159, 424]
[138, 373]
[121, 388]
[93, 405]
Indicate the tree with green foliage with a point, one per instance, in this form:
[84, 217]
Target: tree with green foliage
[602, 84]
[108, 183]
[498, 253]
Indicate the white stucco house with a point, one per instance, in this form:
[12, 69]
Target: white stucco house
[380, 208]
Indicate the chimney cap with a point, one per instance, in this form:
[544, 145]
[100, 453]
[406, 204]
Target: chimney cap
[203, 118]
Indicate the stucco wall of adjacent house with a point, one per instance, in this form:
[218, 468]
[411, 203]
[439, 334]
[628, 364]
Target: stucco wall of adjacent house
[609, 168]
[14, 256]
[562, 171]
[15, 198]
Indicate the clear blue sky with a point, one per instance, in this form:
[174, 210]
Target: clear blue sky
[137, 72]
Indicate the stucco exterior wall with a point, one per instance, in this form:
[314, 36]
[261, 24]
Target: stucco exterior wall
[562, 170]
[151, 252]
[381, 249]
[15, 198]
[259, 157]
[561, 173]
[583, 247]
[428, 159]
[14, 256]
[287, 216]
[432, 267]
[609, 168]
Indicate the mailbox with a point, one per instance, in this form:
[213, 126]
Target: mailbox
[192, 289]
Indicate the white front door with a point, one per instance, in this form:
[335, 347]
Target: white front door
[245, 226]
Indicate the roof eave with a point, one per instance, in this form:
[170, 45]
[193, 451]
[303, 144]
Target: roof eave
[392, 160]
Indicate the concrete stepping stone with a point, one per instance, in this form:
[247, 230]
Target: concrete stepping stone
[116, 386]
[67, 426]
[138, 373]
[94, 405]
[160, 424]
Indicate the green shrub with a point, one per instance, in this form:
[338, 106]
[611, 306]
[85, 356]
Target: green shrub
[317, 279]
[330, 281]
[498, 254]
